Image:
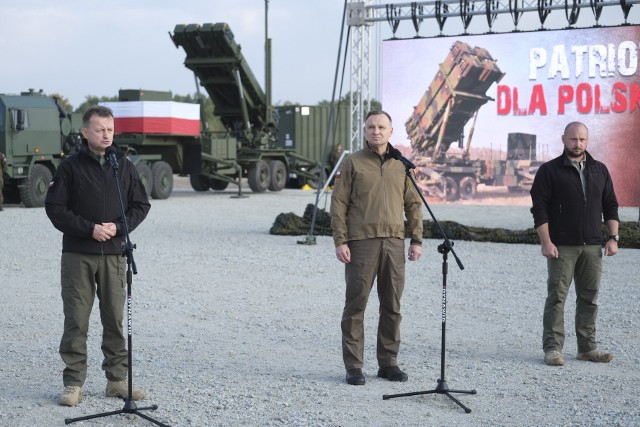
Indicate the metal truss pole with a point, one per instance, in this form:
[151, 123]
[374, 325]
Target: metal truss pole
[360, 69]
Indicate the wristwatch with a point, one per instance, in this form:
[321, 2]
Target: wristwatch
[614, 237]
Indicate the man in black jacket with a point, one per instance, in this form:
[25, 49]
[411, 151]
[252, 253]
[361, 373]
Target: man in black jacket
[83, 203]
[571, 195]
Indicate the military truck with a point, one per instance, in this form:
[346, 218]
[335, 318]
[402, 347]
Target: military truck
[453, 98]
[163, 142]
[35, 134]
[245, 138]
[160, 136]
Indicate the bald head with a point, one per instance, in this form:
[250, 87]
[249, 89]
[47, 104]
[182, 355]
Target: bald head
[575, 139]
[574, 125]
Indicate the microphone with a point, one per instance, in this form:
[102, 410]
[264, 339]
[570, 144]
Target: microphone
[394, 153]
[111, 154]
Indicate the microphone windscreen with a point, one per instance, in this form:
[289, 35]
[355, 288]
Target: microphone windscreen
[110, 150]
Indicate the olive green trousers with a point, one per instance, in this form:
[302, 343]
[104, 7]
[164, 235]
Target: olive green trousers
[582, 264]
[384, 259]
[83, 276]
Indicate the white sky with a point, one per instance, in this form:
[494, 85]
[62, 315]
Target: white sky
[79, 48]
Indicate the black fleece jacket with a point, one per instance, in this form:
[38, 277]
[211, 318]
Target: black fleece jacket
[83, 193]
[574, 218]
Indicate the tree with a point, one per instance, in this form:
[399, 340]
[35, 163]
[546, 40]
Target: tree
[346, 99]
[286, 104]
[90, 100]
[62, 101]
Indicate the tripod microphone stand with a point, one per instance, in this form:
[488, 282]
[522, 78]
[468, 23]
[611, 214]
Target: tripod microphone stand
[129, 404]
[444, 249]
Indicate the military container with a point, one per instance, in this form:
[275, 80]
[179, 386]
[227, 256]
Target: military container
[305, 129]
[144, 95]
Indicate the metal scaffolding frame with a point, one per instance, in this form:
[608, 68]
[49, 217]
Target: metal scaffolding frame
[360, 19]
[362, 15]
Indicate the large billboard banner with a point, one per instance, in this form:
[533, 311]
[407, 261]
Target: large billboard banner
[530, 84]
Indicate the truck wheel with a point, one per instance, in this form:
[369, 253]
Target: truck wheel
[33, 190]
[468, 187]
[199, 182]
[453, 192]
[146, 176]
[218, 184]
[258, 177]
[162, 180]
[278, 172]
[315, 181]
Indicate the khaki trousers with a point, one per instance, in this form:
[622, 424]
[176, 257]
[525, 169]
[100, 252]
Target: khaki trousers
[381, 258]
[83, 276]
[584, 264]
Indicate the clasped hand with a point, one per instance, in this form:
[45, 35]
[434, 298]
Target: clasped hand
[103, 232]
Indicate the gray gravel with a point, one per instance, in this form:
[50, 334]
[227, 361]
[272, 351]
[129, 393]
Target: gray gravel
[233, 326]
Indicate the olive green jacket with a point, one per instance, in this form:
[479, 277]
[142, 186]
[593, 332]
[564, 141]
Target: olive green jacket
[370, 196]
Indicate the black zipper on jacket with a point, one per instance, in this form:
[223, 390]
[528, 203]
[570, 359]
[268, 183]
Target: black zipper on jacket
[584, 201]
[104, 201]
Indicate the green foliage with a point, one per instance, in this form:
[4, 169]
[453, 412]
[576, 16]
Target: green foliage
[189, 98]
[286, 104]
[64, 102]
[347, 99]
[90, 100]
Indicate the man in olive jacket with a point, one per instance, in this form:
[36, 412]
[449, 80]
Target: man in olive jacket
[83, 203]
[370, 198]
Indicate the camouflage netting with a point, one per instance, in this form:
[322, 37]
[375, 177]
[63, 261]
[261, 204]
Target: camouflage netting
[290, 224]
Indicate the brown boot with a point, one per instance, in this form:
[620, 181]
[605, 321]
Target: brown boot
[71, 396]
[553, 358]
[121, 389]
[596, 355]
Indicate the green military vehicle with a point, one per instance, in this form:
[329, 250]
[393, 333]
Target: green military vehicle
[245, 137]
[35, 134]
[248, 137]
[213, 159]
[146, 130]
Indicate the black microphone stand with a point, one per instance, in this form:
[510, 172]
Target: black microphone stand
[444, 249]
[129, 404]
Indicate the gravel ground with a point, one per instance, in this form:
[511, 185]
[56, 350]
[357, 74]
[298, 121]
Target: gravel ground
[235, 327]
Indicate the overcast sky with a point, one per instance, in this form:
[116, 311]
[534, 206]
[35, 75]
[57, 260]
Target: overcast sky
[79, 48]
